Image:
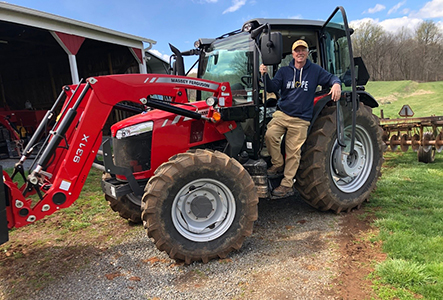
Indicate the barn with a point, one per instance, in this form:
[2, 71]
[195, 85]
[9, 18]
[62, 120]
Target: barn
[41, 52]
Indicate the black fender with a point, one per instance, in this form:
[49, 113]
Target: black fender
[362, 96]
[366, 99]
[318, 107]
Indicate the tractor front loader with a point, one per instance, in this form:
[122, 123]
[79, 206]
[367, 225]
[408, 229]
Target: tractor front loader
[194, 171]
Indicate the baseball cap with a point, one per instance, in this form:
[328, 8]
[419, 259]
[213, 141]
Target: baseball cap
[299, 43]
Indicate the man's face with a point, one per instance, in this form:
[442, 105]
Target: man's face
[300, 54]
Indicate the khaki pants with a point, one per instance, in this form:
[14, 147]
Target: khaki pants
[296, 130]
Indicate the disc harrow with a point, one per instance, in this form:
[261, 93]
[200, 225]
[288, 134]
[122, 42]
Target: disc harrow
[423, 135]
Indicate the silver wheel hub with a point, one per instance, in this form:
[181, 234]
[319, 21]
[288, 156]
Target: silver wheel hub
[350, 164]
[350, 171]
[203, 210]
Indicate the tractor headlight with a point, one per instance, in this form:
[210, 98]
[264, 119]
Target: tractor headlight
[211, 101]
[247, 27]
[134, 130]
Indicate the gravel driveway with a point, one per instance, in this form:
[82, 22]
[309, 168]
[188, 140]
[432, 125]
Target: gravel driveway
[290, 255]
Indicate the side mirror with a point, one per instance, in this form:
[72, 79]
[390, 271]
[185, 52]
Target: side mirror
[271, 47]
[361, 71]
[178, 65]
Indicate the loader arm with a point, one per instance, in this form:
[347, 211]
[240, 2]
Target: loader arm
[65, 161]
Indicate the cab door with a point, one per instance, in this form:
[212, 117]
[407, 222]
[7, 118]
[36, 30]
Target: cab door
[337, 52]
[338, 60]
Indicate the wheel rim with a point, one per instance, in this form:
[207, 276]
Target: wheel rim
[350, 172]
[203, 210]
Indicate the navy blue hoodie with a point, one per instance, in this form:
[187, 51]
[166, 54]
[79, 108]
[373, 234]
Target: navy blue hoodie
[297, 87]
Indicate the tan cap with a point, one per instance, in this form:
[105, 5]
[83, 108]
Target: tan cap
[299, 43]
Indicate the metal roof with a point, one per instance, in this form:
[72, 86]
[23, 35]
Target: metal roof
[22, 15]
[295, 22]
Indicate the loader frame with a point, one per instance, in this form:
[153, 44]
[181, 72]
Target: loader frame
[63, 165]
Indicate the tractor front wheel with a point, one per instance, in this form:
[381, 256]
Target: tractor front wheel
[199, 205]
[128, 206]
[330, 178]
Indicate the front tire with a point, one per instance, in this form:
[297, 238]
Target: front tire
[199, 205]
[128, 206]
[330, 179]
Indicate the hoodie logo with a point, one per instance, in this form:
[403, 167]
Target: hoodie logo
[297, 84]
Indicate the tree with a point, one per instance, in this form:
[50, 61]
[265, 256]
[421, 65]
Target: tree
[369, 41]
[429, 40]
[403, 55]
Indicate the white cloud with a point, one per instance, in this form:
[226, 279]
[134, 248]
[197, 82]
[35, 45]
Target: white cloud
[390, 25]
[376, 8]
[357, 23]
[159, 54]
[432, 9]
[396, 7]
[296, 17]
[236, 4]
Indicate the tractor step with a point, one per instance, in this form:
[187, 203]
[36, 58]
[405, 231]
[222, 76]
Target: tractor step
[4, 231]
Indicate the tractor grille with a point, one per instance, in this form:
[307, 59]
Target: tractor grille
[133, 152]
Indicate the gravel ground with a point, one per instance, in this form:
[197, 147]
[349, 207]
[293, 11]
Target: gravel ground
[292, 254]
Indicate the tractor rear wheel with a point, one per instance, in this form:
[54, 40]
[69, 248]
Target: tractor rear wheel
[199, 205]
[328, 178]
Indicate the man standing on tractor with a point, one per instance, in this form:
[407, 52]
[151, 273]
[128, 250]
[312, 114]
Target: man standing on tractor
[297, 84]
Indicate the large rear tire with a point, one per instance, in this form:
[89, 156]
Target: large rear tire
[199, 205]
[330, 179]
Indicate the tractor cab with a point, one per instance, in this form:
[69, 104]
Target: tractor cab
[235, 58]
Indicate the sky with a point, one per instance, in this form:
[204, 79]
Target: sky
[182, 22]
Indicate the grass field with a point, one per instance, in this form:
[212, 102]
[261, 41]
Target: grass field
[409, 210]
[408, 204]
[425, 99]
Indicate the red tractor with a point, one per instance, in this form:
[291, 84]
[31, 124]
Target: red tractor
[193, 171]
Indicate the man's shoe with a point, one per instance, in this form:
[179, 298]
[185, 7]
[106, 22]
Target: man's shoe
[283, 191]
[274, 171]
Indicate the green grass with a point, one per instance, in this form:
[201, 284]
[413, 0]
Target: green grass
[425, 99]
[408, 202]
[409, 210]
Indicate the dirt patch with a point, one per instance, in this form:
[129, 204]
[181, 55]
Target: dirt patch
[358, 255]
[388, 99]
[30, 260]
[395, 96]
[419, 93]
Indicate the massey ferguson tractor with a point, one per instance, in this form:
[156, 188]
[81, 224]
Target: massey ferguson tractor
[191, 164]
